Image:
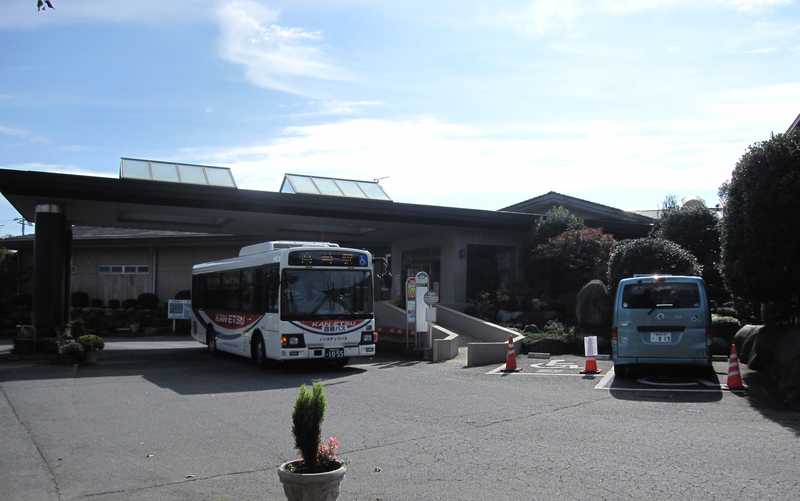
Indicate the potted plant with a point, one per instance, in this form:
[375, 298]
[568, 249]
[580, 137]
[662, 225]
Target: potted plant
[317, 475]
[91, 345]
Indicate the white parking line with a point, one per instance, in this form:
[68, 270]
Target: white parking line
[549, 372]
[608, 379]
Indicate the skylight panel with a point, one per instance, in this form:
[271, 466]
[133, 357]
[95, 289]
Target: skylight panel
[164, 172]
[327, 186]
[350, 189]
[303, 184]
[171, 172]
[373, 190]
[192, 174]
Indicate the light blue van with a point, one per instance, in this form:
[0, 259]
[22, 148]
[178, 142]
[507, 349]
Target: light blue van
[660, 320]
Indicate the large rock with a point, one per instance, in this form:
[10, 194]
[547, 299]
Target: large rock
[745, 340]
[775, 352]
[593, 306]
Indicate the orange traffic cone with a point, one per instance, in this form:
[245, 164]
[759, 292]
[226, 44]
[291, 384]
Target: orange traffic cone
[734, 376]
[511, 357]
[591, 366]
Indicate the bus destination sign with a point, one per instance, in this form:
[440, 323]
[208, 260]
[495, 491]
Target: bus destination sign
[327, 258]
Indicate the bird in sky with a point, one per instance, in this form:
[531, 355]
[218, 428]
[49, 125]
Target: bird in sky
[43, 5]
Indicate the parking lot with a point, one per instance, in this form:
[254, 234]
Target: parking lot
[162, 419]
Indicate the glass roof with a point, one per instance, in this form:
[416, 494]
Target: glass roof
[315, 185]
[169, 172]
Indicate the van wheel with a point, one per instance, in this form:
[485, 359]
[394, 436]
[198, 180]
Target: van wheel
[211, 341]
[621, 371]
[258, 351]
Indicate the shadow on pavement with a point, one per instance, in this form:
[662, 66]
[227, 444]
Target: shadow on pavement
[762, 396]
[190, 371]
[668, 383]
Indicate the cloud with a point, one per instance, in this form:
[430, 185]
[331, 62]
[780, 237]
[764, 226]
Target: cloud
[274, 57]
[57, 169]
[19, 133]
[440, 162]
[553, 17]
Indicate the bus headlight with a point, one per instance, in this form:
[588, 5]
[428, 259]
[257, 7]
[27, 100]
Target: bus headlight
[292, 341]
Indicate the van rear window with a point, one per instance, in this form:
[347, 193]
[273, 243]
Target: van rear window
[661, 295]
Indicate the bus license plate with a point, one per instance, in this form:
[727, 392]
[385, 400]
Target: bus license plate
[334, 353]
[660, 337]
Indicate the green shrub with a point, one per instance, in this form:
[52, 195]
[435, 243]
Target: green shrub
[697, 229]
[555, 221]
[97, 303]
[760, 237]
[129, 304]
[309, 411]
[567, 261]
[71, 352]
[91, 342]
[726, 311]
[79, 299]
[650, 256]
[553, 330]
[147, 301]
[724, 327]
[114, 304]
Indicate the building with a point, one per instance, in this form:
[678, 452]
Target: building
[143, 231]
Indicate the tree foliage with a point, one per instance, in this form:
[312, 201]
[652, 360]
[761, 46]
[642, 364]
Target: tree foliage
[697, 229]
[650, 256]
[761, 227]
[555, 221]
[565, 262]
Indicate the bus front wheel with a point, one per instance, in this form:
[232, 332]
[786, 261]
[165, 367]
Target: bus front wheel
[211, 341]
[259, 355]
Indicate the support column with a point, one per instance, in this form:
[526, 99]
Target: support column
[50, 269]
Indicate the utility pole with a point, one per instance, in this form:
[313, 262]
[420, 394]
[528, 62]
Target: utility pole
[23, 223]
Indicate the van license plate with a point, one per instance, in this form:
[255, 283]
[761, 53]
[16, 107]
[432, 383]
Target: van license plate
[660, 337]
[334, 353]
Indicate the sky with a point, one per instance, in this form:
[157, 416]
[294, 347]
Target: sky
[459, 103]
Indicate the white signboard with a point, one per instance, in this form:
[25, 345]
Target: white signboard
[421, 281]
[590, 346]
[179, 309]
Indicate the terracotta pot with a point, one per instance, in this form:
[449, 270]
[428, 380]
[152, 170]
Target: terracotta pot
[311, 486]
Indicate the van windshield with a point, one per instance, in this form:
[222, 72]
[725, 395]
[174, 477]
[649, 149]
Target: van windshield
[661, 295]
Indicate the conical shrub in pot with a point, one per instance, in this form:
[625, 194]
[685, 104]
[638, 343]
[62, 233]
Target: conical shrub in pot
[315, 477]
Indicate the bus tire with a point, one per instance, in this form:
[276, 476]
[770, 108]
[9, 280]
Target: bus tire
[341, 362]
[621, 371]
[211, 341]
[258, 350]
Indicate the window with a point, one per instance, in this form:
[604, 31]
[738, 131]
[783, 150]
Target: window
[272, 281]
[127, 269]
[661, 295]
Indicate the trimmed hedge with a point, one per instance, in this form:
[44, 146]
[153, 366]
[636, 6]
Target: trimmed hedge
[147, 301]
[650, 256]
[760, 237]
[724, 327]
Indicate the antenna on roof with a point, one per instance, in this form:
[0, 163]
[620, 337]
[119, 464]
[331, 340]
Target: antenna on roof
[379, 179]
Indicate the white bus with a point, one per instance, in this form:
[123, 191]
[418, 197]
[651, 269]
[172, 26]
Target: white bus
[286, 301]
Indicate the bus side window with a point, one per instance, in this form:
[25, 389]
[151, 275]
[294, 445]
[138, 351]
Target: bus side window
[271, 283]
[248, 290]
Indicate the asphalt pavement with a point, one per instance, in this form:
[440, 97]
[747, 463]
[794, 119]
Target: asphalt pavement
[164, 420]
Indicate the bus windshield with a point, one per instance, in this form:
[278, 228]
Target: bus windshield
[336, 294]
